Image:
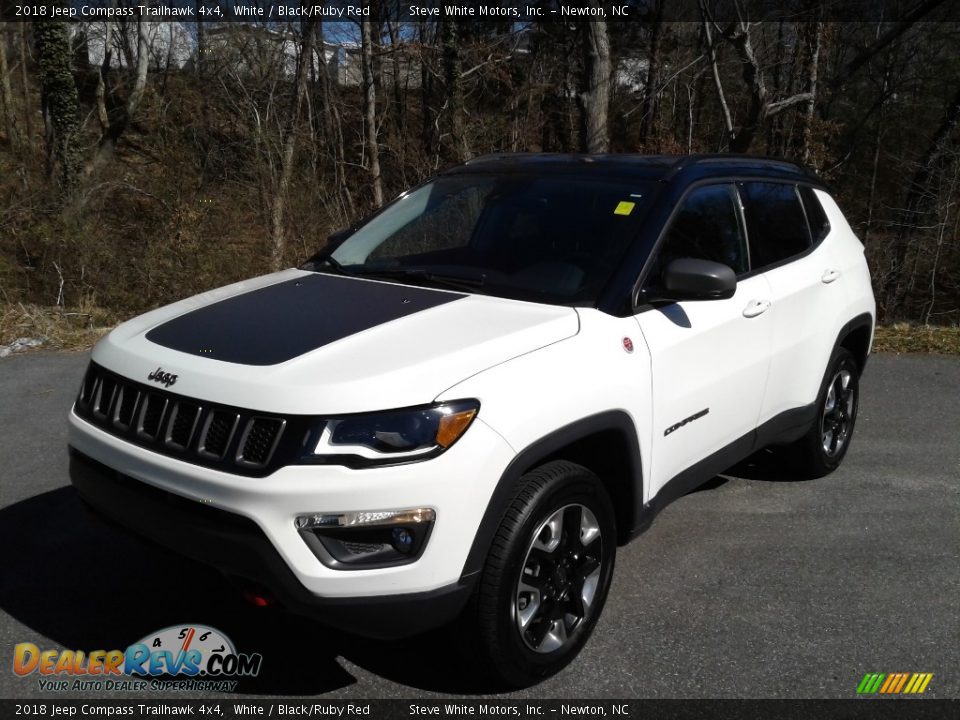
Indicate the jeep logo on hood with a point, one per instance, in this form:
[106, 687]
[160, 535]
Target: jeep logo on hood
[160, 376]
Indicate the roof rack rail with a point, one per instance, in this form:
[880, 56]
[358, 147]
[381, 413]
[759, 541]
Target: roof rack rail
[744, 159]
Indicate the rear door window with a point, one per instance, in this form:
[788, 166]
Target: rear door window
[776, 224]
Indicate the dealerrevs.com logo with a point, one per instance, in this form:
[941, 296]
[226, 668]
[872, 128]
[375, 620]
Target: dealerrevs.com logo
[180, 657]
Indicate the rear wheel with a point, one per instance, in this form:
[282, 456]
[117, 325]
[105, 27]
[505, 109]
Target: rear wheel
[823, 448]
[546, 576]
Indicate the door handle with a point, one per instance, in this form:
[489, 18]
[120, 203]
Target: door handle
[829, 276]
[755, 307]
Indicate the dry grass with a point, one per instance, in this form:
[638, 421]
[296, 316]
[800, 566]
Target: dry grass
[906, 338]
[60, 329]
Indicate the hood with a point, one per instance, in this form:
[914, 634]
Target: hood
[298, 342]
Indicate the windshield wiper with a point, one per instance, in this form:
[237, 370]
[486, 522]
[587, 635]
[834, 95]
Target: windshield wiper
[334, 265]
[457, 282]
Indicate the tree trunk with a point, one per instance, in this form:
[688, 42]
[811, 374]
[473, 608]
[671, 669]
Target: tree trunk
[25, 88]
[399, 105]
[458, 147]
[711, 47]
[278, 237]
[916, 204]
[595, 97]
[811, 44]
[59, 99]
[426, 89]
[370, 111]
[651, 91]
[739, 36]
[199, 65]
[122, 115]
[6, 93]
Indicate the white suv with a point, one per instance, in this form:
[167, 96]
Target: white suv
[460, 408]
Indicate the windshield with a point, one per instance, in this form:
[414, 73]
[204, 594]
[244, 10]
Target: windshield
[555, 239]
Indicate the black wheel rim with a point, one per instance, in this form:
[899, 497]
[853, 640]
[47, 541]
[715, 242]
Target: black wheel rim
[559, 579]
[838, 409]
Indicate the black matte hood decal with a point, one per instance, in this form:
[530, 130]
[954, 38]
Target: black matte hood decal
[280, 322]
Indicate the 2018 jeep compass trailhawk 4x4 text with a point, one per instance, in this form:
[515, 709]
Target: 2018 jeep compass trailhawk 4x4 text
[462, 406]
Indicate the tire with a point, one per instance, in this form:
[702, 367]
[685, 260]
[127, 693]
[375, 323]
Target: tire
[822, 449]
[546, 576]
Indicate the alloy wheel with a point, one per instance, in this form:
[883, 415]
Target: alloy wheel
[559, 578]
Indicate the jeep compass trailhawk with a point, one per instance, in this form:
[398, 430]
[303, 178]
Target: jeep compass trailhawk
[460, 408]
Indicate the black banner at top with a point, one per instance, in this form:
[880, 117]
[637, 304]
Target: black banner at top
[520, 11]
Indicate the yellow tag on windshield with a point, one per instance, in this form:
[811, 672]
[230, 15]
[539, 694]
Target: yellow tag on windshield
[624, 208]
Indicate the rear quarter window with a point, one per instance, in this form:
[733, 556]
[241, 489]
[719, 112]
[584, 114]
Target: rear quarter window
[816, 215]
[776, 223]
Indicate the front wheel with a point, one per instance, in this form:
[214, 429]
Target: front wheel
[546, 576]
[823, 448]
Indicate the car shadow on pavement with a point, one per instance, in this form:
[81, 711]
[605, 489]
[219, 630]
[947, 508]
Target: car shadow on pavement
[71, 578]
[767, 465]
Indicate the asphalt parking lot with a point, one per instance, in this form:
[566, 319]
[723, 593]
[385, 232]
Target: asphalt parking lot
[753, 587]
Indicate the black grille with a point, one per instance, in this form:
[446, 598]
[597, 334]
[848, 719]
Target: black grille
[125, 407]
[89, 384]
[218, 433]
[227, 438]
[103, 397]
[183, 420]
[259, 439]
[151, 415]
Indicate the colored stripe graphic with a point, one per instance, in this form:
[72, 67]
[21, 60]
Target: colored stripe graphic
[871, 683]
[913, 684]
[901, 682]
[894, 683]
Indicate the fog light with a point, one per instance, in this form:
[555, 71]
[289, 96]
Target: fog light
[365, 518]
[402, 540]
[366, 539]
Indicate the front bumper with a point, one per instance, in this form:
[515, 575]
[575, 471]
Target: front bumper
[245, 526]
[236, 547]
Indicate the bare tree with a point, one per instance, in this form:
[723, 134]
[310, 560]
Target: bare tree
[812, 34]
[918, 198]
[278, 238]
[370, 110]
[761, 107]
[119, 117]
[60, 101]
[595, 97]
[7, 112]
[651, 90]
[455, 137]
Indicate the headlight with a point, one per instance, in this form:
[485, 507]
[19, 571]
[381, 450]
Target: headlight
[392, 436]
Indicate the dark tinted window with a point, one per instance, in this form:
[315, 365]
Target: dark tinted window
[776, 224]
[816, 216]
[548, 238]
[707, 228]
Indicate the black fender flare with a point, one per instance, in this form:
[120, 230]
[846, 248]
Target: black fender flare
[860, 321]
[541, 450]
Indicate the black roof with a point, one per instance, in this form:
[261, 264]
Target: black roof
[680, 168]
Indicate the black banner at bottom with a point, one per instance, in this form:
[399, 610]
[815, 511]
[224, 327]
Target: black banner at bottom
[232, 709]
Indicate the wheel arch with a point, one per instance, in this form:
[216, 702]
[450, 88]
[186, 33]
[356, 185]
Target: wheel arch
[857, 336]
[605, 443]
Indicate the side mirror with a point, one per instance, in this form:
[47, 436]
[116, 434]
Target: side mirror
[692, 279]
